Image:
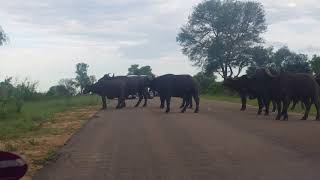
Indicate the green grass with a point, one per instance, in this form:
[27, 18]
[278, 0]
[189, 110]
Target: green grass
[15, 125]
[235, 99]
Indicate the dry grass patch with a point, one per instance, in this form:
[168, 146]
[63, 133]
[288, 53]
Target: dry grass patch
[39, 146]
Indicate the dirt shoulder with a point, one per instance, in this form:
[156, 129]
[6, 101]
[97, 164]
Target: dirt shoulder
[39, 146]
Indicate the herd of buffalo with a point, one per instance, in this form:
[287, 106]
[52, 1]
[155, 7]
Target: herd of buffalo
[166, 86]
[280, 88]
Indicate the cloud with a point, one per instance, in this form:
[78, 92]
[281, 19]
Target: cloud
[49, 37]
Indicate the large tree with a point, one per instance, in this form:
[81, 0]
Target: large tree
[144, 70]
[82, 77]
[219, 33]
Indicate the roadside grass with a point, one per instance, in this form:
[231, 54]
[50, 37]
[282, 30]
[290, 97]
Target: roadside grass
[34, 113]
[236, 99]
[51, 155]
[39, 145]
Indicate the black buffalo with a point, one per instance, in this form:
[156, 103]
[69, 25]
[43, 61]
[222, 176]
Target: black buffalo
[134, 85]
[286, 87]
[243, 86]
[183, 86]
[110, 89]
[317, 78]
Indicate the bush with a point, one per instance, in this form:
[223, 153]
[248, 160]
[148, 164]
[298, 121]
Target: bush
[206, 83]
[12, 97]
[209, 86]
[58, 90]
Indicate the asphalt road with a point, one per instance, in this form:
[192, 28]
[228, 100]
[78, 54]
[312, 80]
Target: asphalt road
[218, 143]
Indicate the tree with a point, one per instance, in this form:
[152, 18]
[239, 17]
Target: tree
[82, 77]
[219, 33]
[297, 63]
[70, 85]
[3, 37]
[206, 82]
[133, 69]
[93, 79]
[144, 70]
[315, 64]
[290, 61]
[281, 55]
[59, 90]
[260, 58]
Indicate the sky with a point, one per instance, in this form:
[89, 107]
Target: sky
[48, 37]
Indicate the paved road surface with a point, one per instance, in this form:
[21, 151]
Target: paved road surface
[219, 143]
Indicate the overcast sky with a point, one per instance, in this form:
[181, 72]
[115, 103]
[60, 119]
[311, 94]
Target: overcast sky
[48, 37]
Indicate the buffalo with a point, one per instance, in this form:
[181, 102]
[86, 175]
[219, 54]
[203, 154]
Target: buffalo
[183, 86]
[243, 86]
[284, 88]
[110, 89]
[134, 85]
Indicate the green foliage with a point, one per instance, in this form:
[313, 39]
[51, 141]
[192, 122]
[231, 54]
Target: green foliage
[290, 61]
[315, 64]
[82, 77]
[144, 70]
[93, 79]
[297, 63]
[12, 97]
[209, 86]
[58, 90]
[260, 58]
[206, 83]
[219, 34]
[70, 85]
[283, 59]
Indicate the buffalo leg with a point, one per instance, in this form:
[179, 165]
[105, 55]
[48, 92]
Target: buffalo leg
[278, 110]
[190, 105]
[139, 101]
[168, 100]
[317, 104]
[145, 96]
[284, 113]
[120, 103]
[183, 102]
[188, 99]
[260, 103]
[244, 103]
[307, 103]
[274, 106]
[162, 100]
[197, 100]
[104, 102]
[266, 104]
